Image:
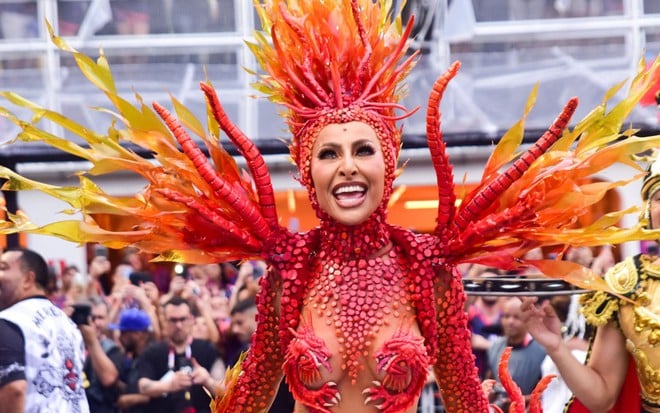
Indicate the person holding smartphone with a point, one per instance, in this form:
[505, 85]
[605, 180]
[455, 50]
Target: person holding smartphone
[174, 372]
[41, 350]
[97, 270]
[104, 359]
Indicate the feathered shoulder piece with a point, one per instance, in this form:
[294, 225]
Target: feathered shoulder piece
[192, 210]
[542, 197]
[333, 61]
[326, 61]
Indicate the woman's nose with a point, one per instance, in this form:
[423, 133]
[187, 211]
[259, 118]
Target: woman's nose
[348, 166]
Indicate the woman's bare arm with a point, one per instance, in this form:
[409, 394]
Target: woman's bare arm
[597, 384]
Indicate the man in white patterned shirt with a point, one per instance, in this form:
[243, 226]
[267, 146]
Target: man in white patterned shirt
[41, 351]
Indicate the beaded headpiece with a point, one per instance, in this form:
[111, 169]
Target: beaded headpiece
[651, 182]
[650, 185]
[329, 63]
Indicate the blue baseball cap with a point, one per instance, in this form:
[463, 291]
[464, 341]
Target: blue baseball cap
[132, 319]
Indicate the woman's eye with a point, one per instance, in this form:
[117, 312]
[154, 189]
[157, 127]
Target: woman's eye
[365, 150]
[327, 154]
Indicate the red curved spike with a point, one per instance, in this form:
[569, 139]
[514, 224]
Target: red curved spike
[362, 67]
[249, 151]
[488, 194]
[443, 170]
[374, 94]
[295, 25]
[490, 226]
[535, 405]
[512, 390]
[203, 211]
[220, 187]
[304, 90]
[390, 61]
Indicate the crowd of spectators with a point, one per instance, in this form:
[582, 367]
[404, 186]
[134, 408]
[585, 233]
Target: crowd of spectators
[153, 344]
[160, 349]
[495, 323]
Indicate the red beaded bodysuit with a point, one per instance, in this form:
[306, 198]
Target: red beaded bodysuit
[347, 313]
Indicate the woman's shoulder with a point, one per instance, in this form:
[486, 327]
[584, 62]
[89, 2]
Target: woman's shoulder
[599, 307]
[623, 277]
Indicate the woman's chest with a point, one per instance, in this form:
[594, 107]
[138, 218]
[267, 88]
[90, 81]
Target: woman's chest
[356, 309]
[357, 290]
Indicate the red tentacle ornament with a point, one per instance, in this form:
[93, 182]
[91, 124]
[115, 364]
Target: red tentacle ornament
[244, 207]
[438, 151]
[249, 151]
[233, 230]
[535, 405]
[485, 197]
[517, 400]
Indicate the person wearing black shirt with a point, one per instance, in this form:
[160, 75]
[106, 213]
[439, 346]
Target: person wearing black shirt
[174, 372]
[103, 362]
[135, 334]
[243, 326]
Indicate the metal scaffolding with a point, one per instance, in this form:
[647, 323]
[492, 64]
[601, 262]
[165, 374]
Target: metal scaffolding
[505, 49]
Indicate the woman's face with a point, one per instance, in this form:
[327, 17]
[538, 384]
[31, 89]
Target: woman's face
[654, 206]
[348, 171]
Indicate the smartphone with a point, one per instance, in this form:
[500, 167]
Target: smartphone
[139, 278]
[257, 269]
[195, 289]
[81, 313]
[100, 251]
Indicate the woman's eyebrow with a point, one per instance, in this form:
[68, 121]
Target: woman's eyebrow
[329, 145]
[365, 141]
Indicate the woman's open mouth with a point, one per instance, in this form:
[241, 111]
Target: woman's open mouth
[350, 195]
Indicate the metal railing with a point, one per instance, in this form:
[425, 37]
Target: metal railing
[503, 55]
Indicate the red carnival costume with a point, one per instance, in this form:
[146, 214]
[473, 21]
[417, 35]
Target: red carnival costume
[341, 303]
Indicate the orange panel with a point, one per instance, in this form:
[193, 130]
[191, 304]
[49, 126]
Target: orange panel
[22, 237]
[295, 210]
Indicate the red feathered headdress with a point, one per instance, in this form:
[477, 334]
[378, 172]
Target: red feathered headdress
[329, 63]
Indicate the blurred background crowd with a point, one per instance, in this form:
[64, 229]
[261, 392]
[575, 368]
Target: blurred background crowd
[140, 311]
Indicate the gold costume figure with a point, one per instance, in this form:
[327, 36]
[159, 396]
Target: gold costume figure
[636, 278]
[626, 315]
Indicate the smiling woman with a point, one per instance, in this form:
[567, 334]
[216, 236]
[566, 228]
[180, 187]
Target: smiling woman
[356, 311]
[348, 171]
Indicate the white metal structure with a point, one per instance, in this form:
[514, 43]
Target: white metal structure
[571, 47]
